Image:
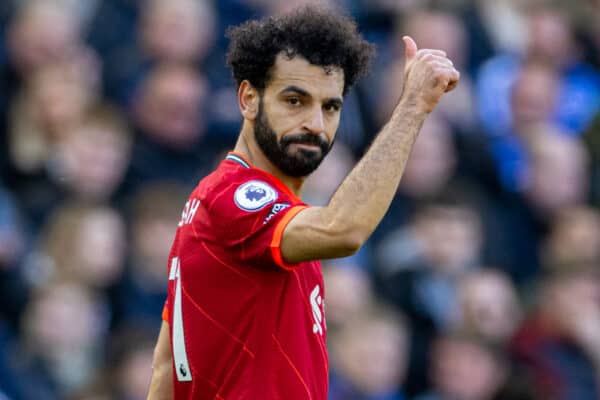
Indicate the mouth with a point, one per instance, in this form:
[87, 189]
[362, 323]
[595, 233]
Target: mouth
[306, 146]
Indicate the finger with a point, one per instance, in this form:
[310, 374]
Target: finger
[423, 52]
[454, 78]
[441, 64]
[437, 59]
[411, 48]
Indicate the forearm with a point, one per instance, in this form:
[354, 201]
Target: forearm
[161, 384]
[161, 387]
[364, 196]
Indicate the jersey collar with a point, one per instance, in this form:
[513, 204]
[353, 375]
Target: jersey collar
[240, 159]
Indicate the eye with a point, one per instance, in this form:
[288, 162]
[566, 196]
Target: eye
[332, 107]
[293, 101]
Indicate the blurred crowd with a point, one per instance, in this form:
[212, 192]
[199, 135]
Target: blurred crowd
[481, 283]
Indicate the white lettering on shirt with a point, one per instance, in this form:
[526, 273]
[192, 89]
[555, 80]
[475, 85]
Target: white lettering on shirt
[189, 211]
[316, 302]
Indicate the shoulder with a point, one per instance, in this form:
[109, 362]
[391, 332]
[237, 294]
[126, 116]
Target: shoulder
[233, 187]
[254, 194]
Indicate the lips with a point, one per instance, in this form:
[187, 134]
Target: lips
[306, 140]
[309, 146]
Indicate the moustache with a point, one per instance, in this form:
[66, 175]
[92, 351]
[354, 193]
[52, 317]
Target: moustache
[305, 138]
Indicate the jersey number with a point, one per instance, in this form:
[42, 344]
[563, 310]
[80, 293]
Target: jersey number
[182, 367]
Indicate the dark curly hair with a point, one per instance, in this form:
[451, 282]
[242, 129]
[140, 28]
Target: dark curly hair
[320, 36]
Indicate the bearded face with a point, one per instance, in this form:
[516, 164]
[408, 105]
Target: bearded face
[296, 155]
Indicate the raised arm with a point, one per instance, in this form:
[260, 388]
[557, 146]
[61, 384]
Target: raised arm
[161, 385]
[359, 204]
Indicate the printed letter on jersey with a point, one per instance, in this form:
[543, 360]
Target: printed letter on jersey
[254, 195]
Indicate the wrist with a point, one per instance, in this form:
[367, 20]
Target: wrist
[411, 106]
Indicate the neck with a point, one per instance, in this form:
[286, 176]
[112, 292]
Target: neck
[247, 146]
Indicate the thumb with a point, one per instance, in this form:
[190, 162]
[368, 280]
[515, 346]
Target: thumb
[411, 48]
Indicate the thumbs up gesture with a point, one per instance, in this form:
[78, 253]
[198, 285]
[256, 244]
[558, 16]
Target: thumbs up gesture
[428, 74]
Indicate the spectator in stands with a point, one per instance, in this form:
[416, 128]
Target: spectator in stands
[421, 264]
[169, 115]
[154, 210]
[466, 368]
[420, 267]
[93, 156]
[559, 342]
[489, 306]
[551, 40]
[349, 292]
[573, 241]
[130, 361]
[42, 32]
[180, 31]
[86, 244]
[64, 328]
[556, 178]
[54, 101]
[369, 357]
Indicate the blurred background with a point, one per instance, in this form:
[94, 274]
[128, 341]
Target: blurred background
[481, 283]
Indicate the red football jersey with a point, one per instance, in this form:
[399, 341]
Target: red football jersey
[244, 323]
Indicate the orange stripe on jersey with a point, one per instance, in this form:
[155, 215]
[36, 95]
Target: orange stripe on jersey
[278, 235]
[292, 365]
[165, 314]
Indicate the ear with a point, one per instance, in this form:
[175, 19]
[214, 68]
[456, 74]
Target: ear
[248, 100]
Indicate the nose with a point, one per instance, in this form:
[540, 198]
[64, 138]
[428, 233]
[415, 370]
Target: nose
[315, 123]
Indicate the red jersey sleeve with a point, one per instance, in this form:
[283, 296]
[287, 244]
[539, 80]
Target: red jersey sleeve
[247, 216]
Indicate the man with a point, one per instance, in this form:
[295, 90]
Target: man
[244, 317]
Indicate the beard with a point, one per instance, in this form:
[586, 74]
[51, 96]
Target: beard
[298, 163]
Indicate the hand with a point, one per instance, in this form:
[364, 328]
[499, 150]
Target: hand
[428, 74]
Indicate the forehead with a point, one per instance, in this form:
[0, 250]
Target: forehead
[316, 79]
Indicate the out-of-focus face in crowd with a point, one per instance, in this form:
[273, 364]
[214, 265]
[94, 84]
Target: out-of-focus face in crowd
[64, 327]
[348, 289]
[42, 32]
[533, 97]
[432, 161]
[86, 244]
[558, 175]
[489, 305]
[170, 105]
[574, 239]
[571, 305]
[550, 37]
[463, 368]
[451, 236]
[93, 156]
[371, 351]
[54, 100]
[179, 30]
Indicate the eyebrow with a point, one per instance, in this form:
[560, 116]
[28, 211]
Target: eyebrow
[302, 92]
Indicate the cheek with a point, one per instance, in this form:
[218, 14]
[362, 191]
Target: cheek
[331, 126]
